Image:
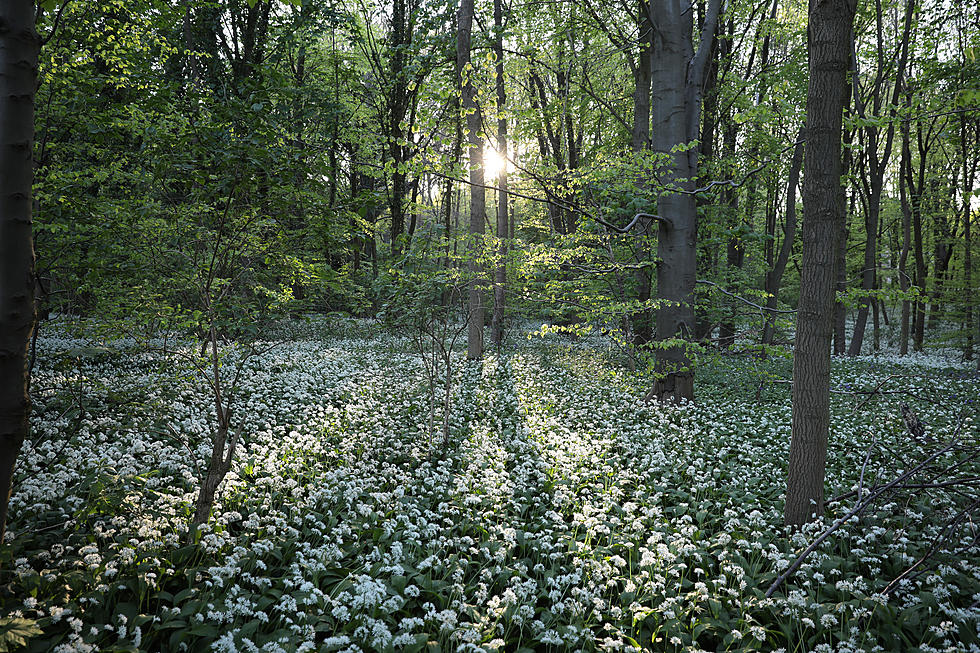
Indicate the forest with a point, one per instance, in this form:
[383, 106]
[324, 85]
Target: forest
[489, 325]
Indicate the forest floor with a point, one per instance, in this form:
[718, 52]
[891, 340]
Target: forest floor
[564, 514]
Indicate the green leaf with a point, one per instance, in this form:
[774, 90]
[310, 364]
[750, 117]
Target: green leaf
[15, 633]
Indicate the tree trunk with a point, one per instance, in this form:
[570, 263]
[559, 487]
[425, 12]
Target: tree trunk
[969, 174]
[500, 272]
[474, 123]
[775, 276]
[942, 254]
[222, 449]
[18, 76]
[677, 82]
[829, 45]
[840, 310]
[903, 277]
[878, 163]
[398, 108]
[916, 184]
[639, 142]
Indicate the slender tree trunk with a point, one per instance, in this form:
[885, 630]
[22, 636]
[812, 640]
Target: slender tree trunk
[969, 174]
[775, 276]
[704, 321]
[449, 203]
[916, 184]
[829, 46]
[478, 210]
[878, 164]
[398, 109]
[222, 448]
[639, 142]
[18, 77]
[942, 254]
[903, 277]
[840, 309]
[500, 272]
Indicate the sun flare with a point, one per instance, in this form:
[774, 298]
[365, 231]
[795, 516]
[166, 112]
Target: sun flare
[493, 163]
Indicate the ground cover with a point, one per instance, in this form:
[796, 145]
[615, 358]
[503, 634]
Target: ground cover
[564, 515]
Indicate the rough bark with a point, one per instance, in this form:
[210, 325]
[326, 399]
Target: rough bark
[828, 49]
[478, 211]
[18, 77]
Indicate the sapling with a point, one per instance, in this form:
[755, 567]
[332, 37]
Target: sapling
[427, 301]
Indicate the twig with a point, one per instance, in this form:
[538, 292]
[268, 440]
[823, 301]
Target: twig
[742, 299]
[859, 508]
[950, 527]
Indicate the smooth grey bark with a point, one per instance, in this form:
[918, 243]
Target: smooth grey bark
[478, 208]
[500, 271]
[19, 47]
[677, 76]
[828, 50]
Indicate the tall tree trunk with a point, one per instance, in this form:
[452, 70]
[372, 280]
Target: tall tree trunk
[916, 184]
[829, 45]
[478, 209]
[903, 277]
[449, 203]
[730, 200]
[775, 276]
[639, 142]
[969, 174]
[942, 254]
[18, 77]
[877, 162]
[840, 309]
[398, 109]
[500, 272]
[678, 72]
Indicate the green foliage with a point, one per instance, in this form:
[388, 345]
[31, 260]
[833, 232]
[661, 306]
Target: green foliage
[15, 633]
[563, 500]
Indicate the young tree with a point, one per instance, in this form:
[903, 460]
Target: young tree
[829, 47]
[19, 46]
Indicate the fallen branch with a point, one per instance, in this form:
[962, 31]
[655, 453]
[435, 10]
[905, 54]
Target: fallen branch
[857, 510]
